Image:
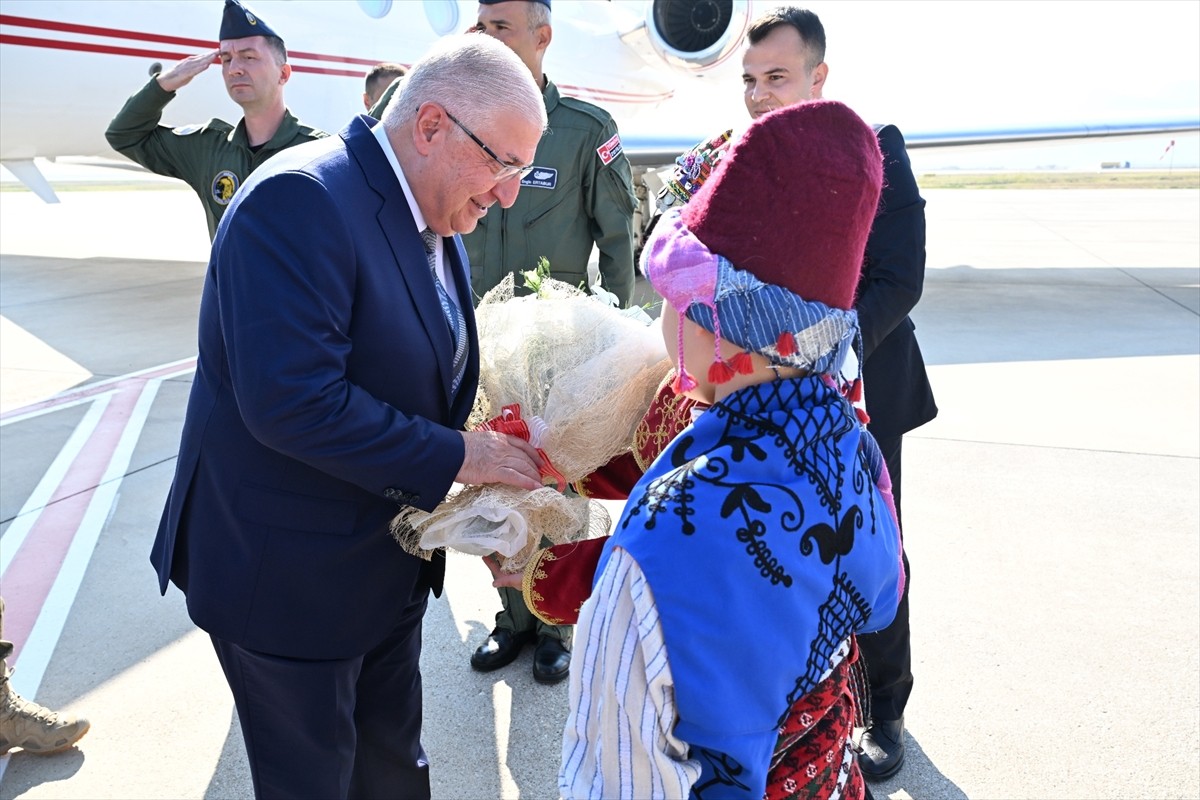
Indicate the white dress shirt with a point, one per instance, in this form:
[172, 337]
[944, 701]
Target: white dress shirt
[443, 272]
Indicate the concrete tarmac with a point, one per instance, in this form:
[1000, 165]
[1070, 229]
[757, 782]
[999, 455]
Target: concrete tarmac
[1052, 513]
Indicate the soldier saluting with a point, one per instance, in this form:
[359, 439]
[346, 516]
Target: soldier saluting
[214, 158]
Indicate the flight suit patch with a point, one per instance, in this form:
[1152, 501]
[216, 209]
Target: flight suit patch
[223, 186]
[610, 149]
[185, 130]
[541, 178]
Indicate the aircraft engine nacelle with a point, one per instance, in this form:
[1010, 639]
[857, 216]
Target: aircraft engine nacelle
[691, 36]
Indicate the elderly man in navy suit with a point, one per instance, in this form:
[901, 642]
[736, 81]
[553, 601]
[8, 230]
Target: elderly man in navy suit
[337, 366]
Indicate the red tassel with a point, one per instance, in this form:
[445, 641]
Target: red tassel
[863, 417]
[742, 364]
[720, 372]
[786, 344]
[683, 382]
[855, 395]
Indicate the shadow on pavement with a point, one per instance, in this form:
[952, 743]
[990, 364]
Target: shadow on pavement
[50, 769]
[231, 777]
[919, 778]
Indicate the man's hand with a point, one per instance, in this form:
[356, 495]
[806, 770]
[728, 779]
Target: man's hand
[182, 73]
[493, 457]
[502, 579]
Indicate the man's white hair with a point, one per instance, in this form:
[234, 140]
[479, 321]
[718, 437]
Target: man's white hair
[538, 15]
[472, 76]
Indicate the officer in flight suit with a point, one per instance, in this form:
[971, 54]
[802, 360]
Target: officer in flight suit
[580, 191]
[216, 157]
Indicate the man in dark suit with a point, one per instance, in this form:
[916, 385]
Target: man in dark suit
[337, 366]
[784, 63]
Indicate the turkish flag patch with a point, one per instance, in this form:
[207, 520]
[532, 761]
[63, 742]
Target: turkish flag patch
[610, 149]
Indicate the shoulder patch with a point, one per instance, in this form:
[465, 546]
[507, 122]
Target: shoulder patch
[610, 149]
[224, 184]
[186, 130]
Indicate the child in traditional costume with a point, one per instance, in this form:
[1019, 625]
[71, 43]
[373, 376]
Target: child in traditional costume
[761, 539]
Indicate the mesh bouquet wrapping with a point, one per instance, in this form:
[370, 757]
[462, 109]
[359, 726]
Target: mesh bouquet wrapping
[585, 369]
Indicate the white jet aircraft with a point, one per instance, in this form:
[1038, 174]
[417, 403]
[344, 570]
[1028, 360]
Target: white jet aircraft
[67, 67]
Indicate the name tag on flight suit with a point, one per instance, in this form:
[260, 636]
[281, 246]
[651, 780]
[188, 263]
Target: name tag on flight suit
[542, 178]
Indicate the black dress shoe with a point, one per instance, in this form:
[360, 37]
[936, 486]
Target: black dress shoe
[499, 649]
[882, 748]
[551, 660]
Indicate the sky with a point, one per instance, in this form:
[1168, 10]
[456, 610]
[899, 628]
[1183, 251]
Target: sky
[933, 65]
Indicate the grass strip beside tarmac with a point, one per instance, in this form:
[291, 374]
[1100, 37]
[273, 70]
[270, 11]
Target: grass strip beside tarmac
[1038, 179]
[1050, 179]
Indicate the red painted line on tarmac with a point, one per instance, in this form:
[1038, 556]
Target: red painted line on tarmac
[34, 568]
[100, 387]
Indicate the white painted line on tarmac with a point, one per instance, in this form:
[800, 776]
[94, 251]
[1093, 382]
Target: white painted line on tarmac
[44, 636]
[172, 369]
[14, 537]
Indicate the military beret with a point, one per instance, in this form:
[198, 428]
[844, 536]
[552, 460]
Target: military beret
[239, 21]
[546, 3]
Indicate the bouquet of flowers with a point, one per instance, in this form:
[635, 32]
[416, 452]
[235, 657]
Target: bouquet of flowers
[573, 375]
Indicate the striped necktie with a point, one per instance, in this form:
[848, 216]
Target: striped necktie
[453, 314]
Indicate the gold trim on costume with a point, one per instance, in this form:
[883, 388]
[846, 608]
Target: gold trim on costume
[580, 487]
[649, 441]
[533, 574]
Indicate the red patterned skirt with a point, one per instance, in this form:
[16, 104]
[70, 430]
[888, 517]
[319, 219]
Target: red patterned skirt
[815, 758]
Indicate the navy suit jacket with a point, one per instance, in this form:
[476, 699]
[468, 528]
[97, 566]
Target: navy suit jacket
[321, 403]
[899, 397]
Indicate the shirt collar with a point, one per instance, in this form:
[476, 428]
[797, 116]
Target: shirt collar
[381, 136]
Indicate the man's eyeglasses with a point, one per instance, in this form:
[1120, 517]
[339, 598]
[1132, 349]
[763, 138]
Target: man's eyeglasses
[506, 170]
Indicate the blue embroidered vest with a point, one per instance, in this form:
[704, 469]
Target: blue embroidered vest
[766, 544]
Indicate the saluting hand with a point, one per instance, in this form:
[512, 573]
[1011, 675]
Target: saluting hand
[493, 457]
[182, 73]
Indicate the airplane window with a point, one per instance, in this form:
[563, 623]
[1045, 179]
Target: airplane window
[442, 16]
[375, 8]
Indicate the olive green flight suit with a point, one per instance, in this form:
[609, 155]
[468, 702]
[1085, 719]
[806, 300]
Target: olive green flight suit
[213, 158]
[579, 193]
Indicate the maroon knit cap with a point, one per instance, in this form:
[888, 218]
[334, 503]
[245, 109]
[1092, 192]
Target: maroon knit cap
[793, 200]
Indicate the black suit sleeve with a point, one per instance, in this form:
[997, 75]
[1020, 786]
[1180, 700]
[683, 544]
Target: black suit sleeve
[895, 261]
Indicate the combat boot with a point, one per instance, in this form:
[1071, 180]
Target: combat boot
[34, 728]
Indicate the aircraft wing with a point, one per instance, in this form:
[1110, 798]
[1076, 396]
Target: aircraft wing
[654, 152]
[919, 139]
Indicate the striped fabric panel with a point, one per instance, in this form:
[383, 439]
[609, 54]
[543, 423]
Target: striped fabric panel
[619, 741]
